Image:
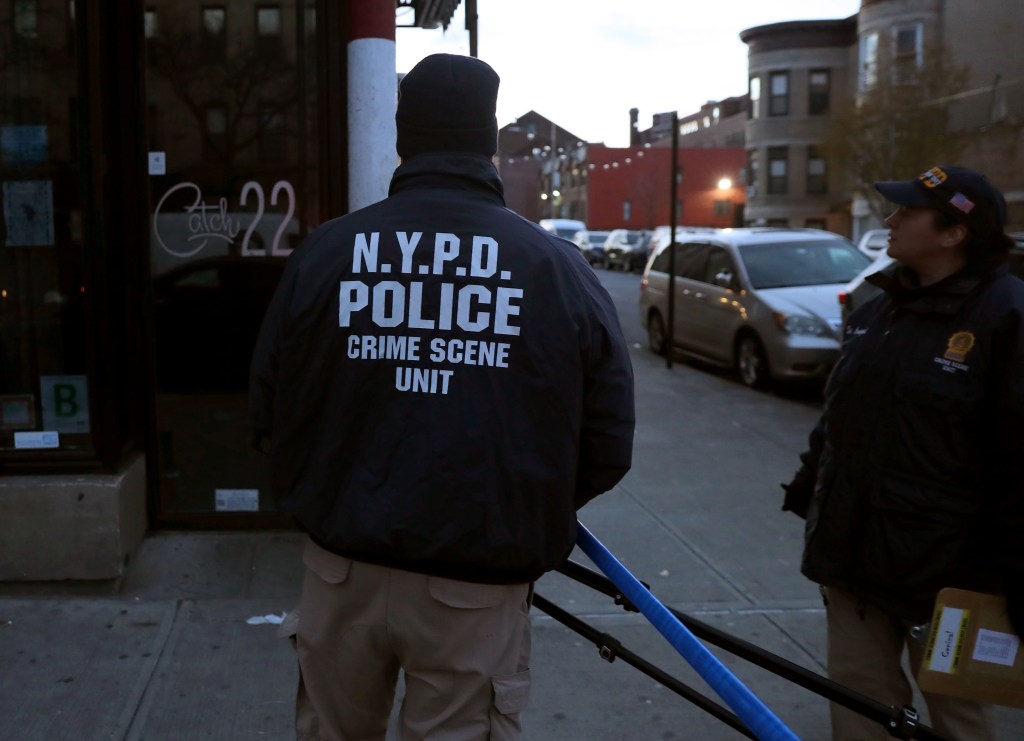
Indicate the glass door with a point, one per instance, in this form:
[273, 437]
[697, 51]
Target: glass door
[232, 126]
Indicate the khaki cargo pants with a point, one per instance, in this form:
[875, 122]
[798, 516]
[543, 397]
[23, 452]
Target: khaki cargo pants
[464, 649]
[865, 653]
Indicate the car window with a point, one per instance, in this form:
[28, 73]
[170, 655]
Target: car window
[777, 265]
[691, 261]
[660, 263]
[718, 262]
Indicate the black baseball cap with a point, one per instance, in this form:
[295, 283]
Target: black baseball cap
[964, 195]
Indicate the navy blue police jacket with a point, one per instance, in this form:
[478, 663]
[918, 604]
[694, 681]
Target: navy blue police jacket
[913, 473]
[442, 382]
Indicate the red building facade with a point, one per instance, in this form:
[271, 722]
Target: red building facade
[631, 187]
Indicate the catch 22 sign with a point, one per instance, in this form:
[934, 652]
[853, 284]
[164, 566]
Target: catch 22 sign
[184, 231]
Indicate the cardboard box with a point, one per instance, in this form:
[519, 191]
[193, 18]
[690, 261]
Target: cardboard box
[972, 651]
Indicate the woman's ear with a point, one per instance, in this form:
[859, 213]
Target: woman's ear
[954, 235]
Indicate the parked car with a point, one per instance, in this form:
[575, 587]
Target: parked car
[564, 228]
[626, 249]
[858, 290]
[661, 235]
[874, 242]
[761, 300]
[591, 244]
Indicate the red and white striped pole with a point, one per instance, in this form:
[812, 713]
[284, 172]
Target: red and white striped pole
[372, 96]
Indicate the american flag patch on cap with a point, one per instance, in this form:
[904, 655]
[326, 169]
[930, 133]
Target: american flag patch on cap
[961, 203]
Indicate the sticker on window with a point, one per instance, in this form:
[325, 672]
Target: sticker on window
[237, 500]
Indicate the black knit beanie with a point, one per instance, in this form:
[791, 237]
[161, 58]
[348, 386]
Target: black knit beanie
[446, 103]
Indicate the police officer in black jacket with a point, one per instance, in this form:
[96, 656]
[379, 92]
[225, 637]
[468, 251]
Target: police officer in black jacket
[443, 384]
[912, 480]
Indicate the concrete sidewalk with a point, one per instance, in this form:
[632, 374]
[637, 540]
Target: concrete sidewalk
[185, 647]
[182, 649]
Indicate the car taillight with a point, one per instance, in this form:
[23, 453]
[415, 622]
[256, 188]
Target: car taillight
[842, 298]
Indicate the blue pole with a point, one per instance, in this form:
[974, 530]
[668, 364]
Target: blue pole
[758, 718]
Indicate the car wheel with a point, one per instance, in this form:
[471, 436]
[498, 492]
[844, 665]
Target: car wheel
[656, 334]
[751, 362]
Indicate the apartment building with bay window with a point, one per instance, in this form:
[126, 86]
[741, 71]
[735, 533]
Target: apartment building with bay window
[804, 74]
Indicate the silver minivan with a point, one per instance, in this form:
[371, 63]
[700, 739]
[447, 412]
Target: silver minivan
[760, 299]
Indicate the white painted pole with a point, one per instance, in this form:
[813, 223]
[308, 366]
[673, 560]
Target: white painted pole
[372, 99]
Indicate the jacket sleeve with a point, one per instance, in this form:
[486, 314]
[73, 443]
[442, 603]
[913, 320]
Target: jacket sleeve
[800, 490]
[265, 360]
[606, 432]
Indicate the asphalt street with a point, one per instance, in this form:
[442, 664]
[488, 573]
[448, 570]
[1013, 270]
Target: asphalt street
[185, 646]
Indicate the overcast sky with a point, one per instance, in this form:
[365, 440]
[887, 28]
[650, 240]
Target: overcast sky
[584, 63]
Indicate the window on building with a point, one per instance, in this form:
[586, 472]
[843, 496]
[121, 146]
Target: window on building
[868, 77]
[818, 86]
[817, 176]
[906, 52]
[151, 29]
[25, 19]
[778, 103]
[273, 140]
[215, 128]
[69, 26]
[814, 223]
[627, 210]
[752, 173]
[721, 207]
[150, 23]
[214, 33]
[46, 285]
[679, 212]
[778, 170]
[755, 98]
[268, 28]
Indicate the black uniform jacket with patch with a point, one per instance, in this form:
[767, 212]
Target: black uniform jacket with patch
[442, 382]
[916, 461]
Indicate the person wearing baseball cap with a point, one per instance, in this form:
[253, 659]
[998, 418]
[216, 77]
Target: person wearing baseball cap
[910, 483]
[443, 384]
[958, 197]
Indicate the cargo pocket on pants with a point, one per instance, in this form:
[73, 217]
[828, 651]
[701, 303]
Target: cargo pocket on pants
[511, 695]
[511, 692]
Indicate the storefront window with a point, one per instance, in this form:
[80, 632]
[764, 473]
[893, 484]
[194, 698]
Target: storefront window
[233, 190]
[44, 386]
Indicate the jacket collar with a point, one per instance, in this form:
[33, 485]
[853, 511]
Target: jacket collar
[457, 170]
[945, 297]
